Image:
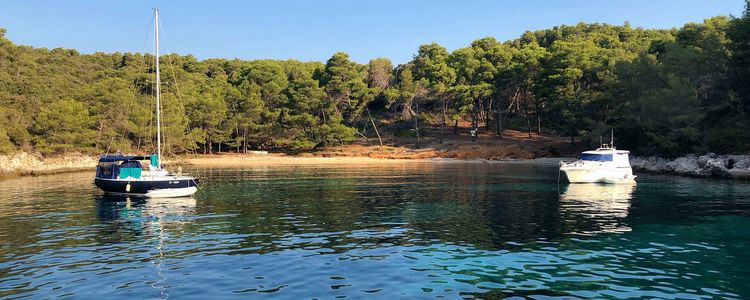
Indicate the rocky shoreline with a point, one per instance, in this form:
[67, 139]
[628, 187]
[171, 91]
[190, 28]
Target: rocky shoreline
[704, 166]
[22, 163]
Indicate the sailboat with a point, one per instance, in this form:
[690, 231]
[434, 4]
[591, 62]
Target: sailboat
[125, 175]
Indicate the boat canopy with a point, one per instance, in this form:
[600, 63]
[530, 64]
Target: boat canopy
[115, 158]
[130, 167]
[153, 159]
[595, 157]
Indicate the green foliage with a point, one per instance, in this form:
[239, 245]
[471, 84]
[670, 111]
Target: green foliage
[344, 83]
[676, 97]
[664, 92]
[63, 126]
[5, 145]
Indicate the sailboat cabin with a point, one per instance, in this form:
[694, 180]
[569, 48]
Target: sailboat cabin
[122, 167]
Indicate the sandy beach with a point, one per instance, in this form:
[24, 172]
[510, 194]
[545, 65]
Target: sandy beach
[229, 160]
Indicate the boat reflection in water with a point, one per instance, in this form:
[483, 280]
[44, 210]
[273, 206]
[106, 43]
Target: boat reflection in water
[600, 207]
[133, 217]
[114, 207]
[144, 219]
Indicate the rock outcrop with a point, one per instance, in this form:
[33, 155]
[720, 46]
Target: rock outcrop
[709, 165]
[23, 163]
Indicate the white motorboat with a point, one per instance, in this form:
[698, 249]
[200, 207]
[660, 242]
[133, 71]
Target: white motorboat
[603, 165]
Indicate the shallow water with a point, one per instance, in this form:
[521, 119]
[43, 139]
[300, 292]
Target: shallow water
[411, 230]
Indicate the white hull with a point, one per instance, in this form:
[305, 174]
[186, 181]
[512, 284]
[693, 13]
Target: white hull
[162, 193]
[172, 193]
[600, 175]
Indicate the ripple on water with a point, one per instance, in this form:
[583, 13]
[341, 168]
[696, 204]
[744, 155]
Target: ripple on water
[396, 231]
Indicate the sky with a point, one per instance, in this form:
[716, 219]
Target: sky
[315, 30]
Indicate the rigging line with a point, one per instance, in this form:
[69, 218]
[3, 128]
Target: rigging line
[152, 108]
[160, 27]
[132, 87]
[198, 186]
[181, 106]
[140, 67]
[179, 100]
[152, 95]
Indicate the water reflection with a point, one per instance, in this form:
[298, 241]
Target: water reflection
[135, 218]
[603, 206]
[399, 231]
[126, 218]
[112, 207]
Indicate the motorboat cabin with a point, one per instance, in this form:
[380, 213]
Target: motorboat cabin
[605, 165]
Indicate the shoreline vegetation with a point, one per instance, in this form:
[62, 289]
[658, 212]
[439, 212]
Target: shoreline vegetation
[548, 93]
[516, 147]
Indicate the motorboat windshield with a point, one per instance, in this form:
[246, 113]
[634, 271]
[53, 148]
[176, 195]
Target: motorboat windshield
[595, 157]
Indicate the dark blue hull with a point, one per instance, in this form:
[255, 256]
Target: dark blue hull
[142, 186]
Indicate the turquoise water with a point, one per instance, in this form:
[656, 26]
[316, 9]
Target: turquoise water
[396, 231]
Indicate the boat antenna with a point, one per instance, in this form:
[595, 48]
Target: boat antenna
[600, 141]
[158, 88]
[612, 139]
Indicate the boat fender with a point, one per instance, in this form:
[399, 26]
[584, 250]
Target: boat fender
[127, 188]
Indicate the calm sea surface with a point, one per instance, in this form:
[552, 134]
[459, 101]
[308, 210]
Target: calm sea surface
[413, 230]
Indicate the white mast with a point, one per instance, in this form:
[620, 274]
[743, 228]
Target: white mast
[158, 88]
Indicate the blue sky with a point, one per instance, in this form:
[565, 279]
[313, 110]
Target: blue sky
[314, 30]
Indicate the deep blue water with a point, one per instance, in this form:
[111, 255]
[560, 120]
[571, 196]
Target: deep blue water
[413, 230]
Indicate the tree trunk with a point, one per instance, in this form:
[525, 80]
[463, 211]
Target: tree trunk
[538, 118]
[499, 127]
[528, 124]
[244, 140]
[363, 136]
[526, 112]
[475, 121]
[208, 144]
[480, 111]
[455, 128]
[373, 126]
[237, 135]
[442, 124]
[416, 121]
[488, 113]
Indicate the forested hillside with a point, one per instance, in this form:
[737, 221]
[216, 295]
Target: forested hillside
[664, 92]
